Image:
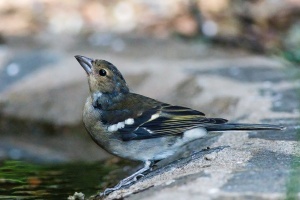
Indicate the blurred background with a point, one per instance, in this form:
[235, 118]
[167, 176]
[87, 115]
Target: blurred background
[258, 25]
[43, 88]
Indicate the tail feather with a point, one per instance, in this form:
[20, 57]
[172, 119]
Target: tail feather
[242, 127]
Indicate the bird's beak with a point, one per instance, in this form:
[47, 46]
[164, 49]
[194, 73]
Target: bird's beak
[86, 63]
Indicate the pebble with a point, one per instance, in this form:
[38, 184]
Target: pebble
[211, 156]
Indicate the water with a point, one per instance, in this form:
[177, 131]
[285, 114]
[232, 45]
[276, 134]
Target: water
[22, 180]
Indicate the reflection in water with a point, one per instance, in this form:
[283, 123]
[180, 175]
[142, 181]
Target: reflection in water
[21, 180]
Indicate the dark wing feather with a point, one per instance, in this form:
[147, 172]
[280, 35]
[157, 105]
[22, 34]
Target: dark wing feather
[133, 106]
[179, 110]
[165, 121]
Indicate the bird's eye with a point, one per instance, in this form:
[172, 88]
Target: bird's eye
[102, 72]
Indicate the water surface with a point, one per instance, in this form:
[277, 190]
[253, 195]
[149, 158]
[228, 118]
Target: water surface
[22, 180]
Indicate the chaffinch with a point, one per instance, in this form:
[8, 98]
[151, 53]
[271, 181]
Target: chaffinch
[136, 127]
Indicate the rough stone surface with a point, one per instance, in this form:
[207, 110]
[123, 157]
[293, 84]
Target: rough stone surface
[42, 106]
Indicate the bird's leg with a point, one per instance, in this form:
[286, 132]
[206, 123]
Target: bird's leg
[130, 179]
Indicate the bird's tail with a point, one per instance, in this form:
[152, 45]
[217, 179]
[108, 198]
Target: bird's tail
[242, 127]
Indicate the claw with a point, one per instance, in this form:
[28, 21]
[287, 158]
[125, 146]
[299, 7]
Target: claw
[106, 192]
[140, 175]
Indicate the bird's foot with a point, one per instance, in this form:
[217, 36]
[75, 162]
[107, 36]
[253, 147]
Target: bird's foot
[129, 180]
[121, 184]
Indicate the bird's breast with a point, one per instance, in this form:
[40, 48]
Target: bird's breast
[92, 122]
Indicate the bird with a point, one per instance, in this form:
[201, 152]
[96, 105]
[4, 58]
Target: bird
[136, 127]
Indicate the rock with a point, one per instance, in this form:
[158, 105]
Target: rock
[77, 196]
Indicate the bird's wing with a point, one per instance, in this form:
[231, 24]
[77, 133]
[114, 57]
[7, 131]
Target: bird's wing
[165, 120]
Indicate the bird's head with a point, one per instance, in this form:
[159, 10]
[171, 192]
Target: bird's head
[103, 77]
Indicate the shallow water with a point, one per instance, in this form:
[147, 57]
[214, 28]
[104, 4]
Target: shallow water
[22, 180]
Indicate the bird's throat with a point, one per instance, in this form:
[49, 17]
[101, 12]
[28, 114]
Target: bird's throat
[104, 101]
